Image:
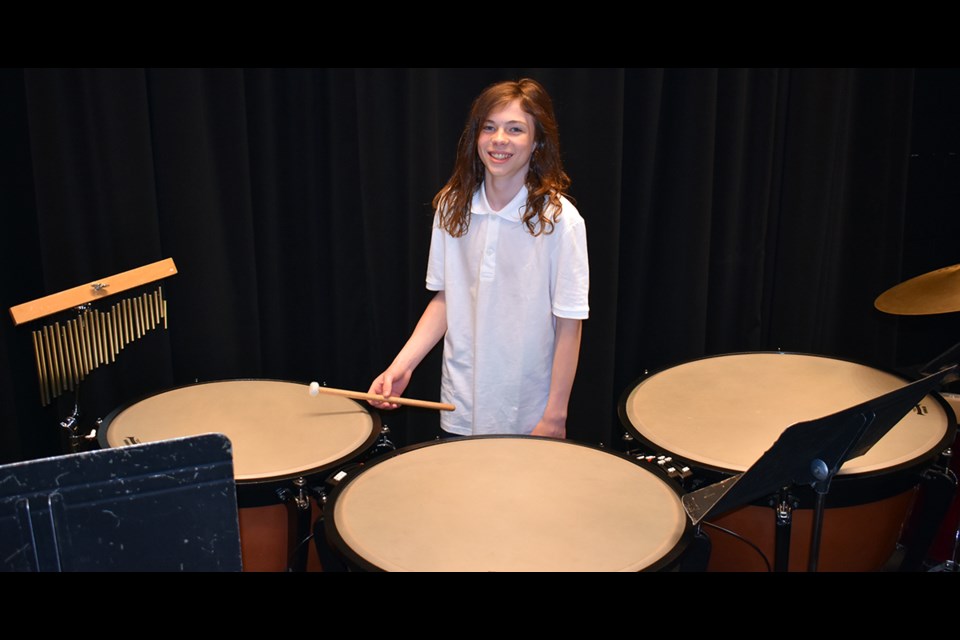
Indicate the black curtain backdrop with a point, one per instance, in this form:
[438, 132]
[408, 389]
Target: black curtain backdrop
[727, 210]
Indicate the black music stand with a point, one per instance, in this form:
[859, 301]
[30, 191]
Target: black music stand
[949, 357]
[162, 506]
[812, 452]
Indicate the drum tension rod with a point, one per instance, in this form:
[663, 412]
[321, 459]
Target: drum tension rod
[383, 443]
[300, 498]
[319, 494]
[631, 449]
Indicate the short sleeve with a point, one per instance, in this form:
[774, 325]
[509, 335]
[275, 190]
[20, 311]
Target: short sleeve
[435, 263]
[572, 275]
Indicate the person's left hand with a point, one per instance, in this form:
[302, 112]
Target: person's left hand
[550, 428]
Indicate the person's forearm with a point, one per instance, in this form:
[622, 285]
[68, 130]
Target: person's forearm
[428, 332]
[566, 356]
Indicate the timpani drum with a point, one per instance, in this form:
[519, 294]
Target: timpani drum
[946, 543]
[720, 414]
[507, 503]
[285, 442]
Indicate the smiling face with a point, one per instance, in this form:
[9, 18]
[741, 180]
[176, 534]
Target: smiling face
[505, 144]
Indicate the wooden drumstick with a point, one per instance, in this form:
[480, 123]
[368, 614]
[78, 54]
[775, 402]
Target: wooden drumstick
[315, 388]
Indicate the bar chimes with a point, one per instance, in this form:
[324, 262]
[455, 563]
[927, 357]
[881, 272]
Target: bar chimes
[67, 352]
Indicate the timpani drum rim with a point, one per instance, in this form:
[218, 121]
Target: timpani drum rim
[257, 487]
[357, 560]
[892, 470]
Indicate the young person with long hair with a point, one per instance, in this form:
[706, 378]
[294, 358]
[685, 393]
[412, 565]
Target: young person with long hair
[508, 260]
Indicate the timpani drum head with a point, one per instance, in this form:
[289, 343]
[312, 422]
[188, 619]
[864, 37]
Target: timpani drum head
[724, 412]
[277, 429]
[507, 503]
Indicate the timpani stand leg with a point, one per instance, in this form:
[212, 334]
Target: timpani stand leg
[817, 531]
[822, 475]
[332, 563]
[298, 524]
[951, 564]
[937, 492]
[71, 425]
[697, 556]
[329, 559]
[783, 513]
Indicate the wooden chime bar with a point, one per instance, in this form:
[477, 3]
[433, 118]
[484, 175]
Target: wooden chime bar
[92, 291]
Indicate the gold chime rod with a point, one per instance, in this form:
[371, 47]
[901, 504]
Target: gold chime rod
[41, 369]
[65, 354]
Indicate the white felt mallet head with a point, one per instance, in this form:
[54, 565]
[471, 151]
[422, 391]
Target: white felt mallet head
[314, 388]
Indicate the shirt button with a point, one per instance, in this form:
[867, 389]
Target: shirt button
[490, 251]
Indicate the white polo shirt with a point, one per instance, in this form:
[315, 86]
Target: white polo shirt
[504, 288]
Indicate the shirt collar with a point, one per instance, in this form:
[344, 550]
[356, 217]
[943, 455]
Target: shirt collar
[511, 212]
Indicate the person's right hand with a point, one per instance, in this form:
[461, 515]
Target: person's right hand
[391, 382]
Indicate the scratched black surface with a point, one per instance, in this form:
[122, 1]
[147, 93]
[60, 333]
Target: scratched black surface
[165, 506]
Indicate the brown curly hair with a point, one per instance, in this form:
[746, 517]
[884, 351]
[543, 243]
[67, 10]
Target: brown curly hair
[546, 180]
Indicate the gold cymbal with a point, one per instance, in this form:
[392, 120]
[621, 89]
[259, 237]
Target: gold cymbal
[930, 293]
